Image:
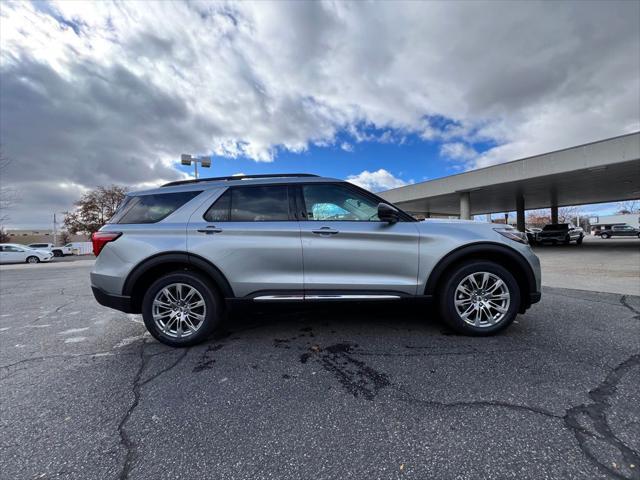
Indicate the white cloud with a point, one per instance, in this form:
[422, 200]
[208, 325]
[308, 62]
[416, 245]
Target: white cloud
[346, 146]
[100, 92]
[377, 181]
[458, 151]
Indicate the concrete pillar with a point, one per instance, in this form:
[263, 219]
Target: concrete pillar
[465, 206]
[520, 213]
[554, 214]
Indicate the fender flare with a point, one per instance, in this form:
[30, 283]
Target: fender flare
[478, 250]
[177, 257]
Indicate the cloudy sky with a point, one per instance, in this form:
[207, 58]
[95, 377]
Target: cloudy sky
[380, 93]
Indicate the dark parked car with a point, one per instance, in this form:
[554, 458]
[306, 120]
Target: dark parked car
[560, 233]
[620, 231]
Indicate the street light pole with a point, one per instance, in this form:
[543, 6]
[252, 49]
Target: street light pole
[205, 162]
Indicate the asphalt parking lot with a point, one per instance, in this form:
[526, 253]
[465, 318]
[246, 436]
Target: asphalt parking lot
[601, 265]
[341, 393]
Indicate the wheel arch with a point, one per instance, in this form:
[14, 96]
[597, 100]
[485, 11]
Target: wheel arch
[143, 274]
[502, 255]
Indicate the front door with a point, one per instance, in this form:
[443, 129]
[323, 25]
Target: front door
[251, 236]
[346, 248]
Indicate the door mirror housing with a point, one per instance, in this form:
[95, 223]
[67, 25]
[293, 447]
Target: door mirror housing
[387, 213]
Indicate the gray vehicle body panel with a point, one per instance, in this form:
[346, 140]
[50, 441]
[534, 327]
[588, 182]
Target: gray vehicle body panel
[287, 256]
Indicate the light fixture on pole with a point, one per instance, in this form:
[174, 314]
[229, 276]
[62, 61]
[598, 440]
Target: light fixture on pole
[205, 162]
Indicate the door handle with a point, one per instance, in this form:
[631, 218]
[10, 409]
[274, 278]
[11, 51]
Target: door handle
[210, 230]
[325, 231]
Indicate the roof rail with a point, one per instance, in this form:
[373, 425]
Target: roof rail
[238, 177]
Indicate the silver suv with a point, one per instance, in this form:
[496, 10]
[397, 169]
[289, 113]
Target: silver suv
[183, 253]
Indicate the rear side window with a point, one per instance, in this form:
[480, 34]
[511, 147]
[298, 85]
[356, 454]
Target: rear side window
[251, 204]
[151, 208]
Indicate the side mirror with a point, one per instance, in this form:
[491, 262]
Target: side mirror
[387, 213]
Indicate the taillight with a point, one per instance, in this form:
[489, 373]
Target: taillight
[100, 239]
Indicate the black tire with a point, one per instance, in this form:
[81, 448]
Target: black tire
[604, 235]
[446, 298]
[579, 240]
[32, 259]
[213, 303]
[567, 240]
[57, 253]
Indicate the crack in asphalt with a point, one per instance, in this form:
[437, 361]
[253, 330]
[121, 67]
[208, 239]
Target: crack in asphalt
[55, 310]
[359, 379]
[410, 398]
[125, 440]
[624, 303]
[595, 413]
[62, 355]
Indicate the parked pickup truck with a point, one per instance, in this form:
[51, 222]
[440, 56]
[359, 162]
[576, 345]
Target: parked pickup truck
[560, 233]
[620, 231]
[72, 248]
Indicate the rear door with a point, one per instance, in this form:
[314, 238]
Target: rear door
[250, 234]
[348, 250]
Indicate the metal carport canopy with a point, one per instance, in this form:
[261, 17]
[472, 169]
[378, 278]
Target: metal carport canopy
[602, 171]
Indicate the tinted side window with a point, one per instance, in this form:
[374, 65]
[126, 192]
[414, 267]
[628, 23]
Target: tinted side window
[152, 208]
[259, 204]
[219, 211]
[250, 204]
[338, 203]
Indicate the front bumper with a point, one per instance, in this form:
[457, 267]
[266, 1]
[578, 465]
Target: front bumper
[552, 238]
[117, 302]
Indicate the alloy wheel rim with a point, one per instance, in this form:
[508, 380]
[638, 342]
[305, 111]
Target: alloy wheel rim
[32, 260]
[482, 299]
[179, 310]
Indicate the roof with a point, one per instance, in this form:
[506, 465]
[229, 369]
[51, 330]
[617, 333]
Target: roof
[217, 182]
[596, 172]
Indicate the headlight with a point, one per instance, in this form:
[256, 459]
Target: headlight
[513, 234]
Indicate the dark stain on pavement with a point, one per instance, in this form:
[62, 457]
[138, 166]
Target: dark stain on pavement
[355, 376]
[206, 362]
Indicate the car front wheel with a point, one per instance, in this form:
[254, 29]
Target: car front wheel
[604, 235]
[479, 298]
[33, 259]
[181, 309]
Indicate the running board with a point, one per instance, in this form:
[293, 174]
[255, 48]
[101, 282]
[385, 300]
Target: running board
[298, 298]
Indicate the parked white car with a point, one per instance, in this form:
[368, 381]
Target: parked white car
[41, 246]
[15, 253]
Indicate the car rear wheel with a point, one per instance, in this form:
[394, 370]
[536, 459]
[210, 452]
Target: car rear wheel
[479, 298]
[33, 259]
[57, 253]
[579, 240]
[181, 309]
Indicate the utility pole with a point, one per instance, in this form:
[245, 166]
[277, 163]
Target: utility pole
[55, 231]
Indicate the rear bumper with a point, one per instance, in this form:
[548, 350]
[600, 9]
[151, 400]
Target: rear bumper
[117, 302]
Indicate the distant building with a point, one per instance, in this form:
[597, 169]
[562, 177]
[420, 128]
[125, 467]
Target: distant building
[607, 221]
[26, 237]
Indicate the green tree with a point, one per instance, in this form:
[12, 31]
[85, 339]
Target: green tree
[94, 209]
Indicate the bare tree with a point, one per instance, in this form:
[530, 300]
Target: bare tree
[94, 209]
[630, 206]
[569, 214]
